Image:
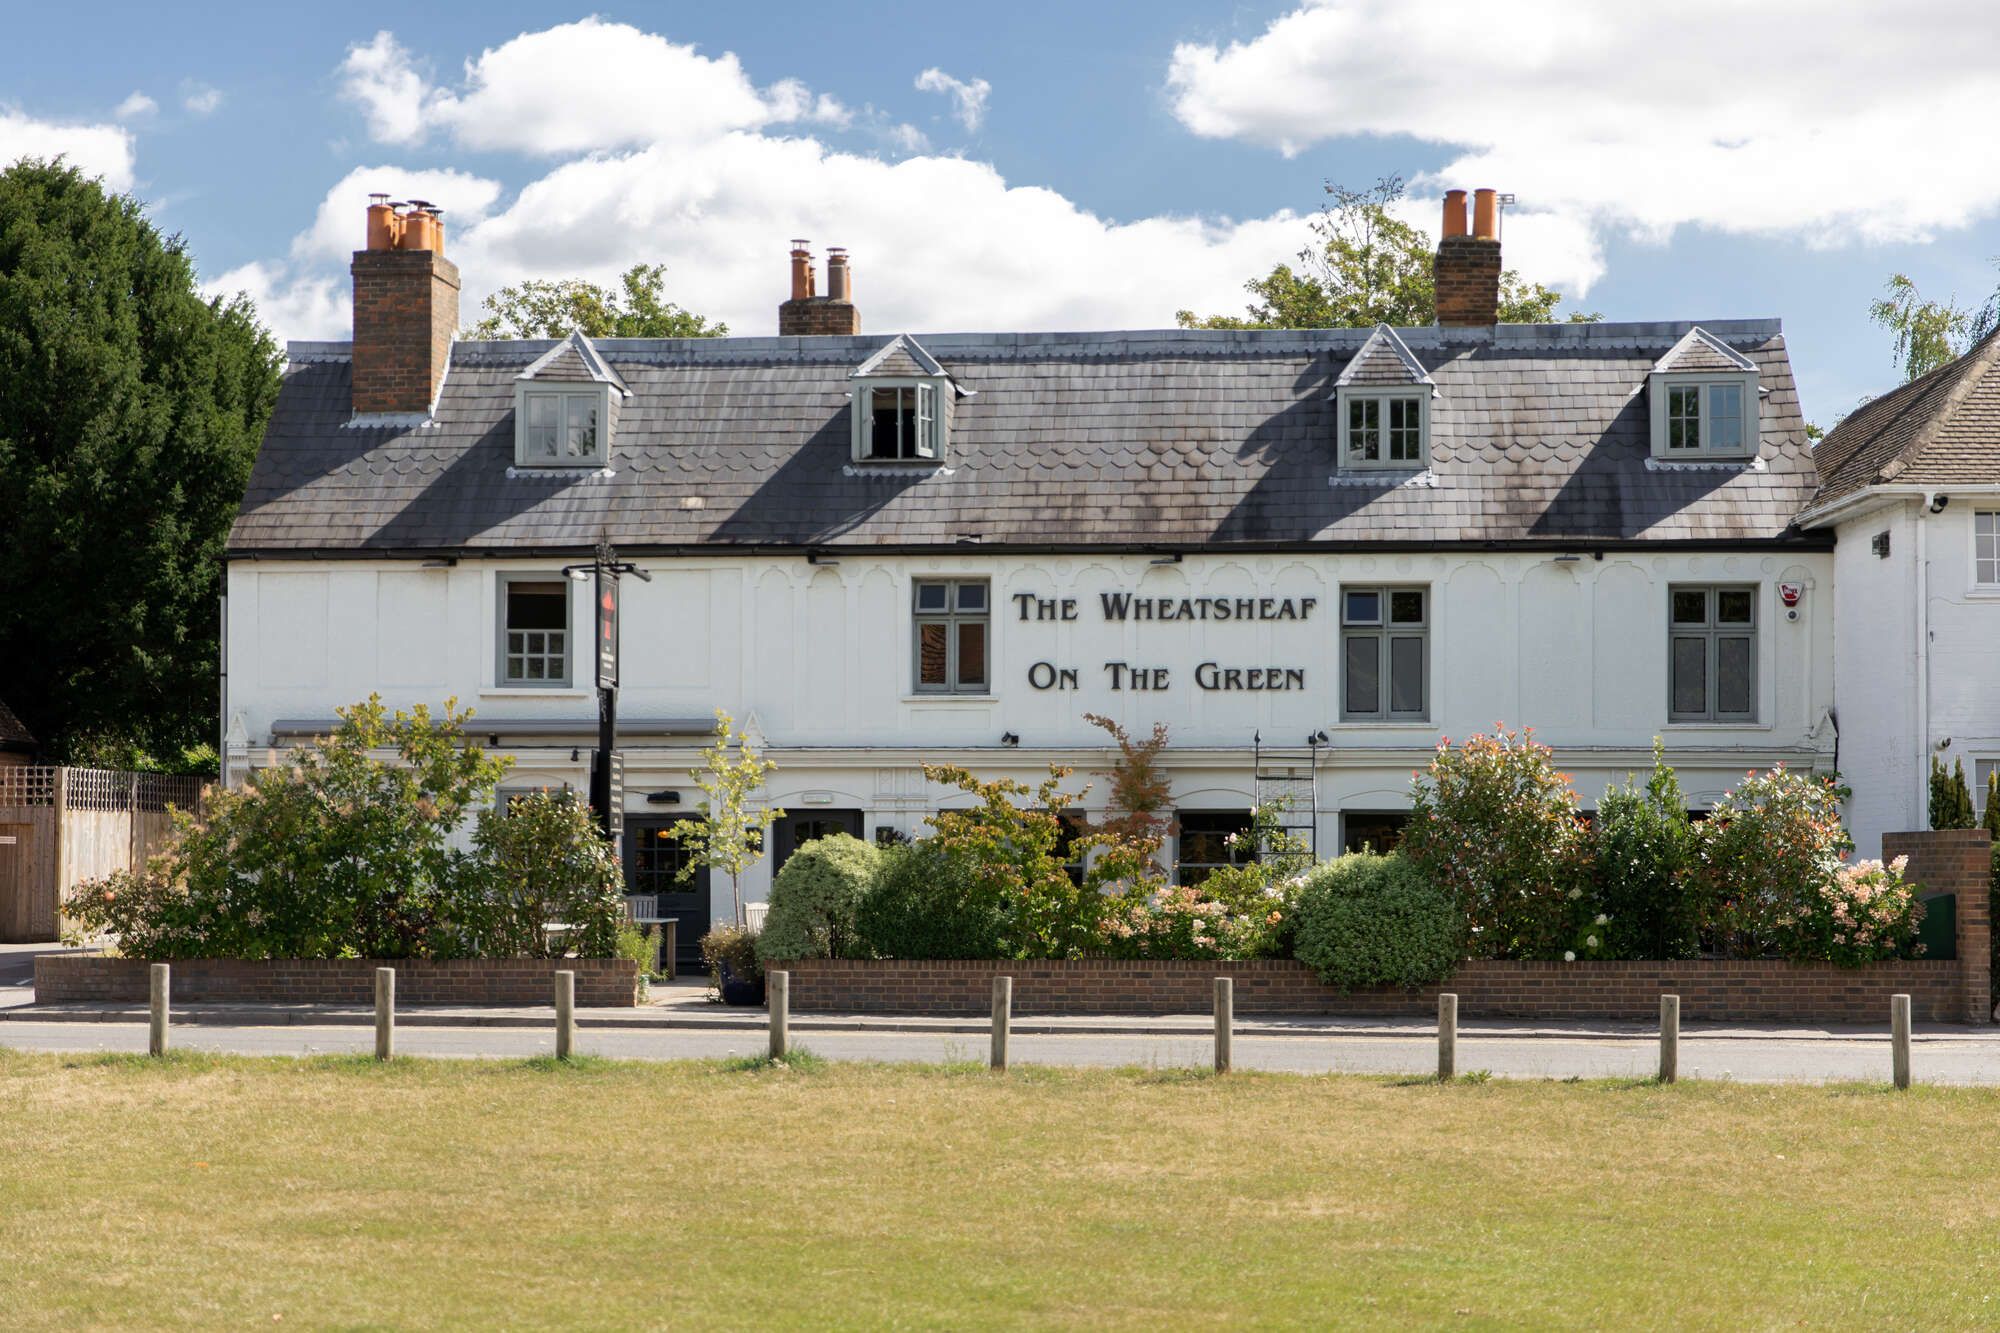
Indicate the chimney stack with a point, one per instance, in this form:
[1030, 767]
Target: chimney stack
[1467, 270]
[405, 308]
[809, 313]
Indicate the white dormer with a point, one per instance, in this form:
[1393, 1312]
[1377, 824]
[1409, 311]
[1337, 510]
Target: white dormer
[1704, 402]
[1383, 403]
[566, 407]
[903, 405]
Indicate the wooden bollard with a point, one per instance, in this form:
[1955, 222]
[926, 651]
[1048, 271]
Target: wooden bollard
[1003, 1018]
[1225, 1021]
[778, 994]
[1670, 1038]
[1447, 1037]
[1899, 1039]
[156, 1029]
[670, 944]
[385, 1013]
[565, 1014]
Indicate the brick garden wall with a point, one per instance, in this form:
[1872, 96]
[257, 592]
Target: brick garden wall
[1716, 990]
[600, 982]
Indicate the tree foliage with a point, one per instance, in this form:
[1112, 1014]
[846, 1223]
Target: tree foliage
[1929, 334]
[730, 834]
[1365, 266]
[1951, 798]
[130, 412]
[639, 308]
[1014, 855]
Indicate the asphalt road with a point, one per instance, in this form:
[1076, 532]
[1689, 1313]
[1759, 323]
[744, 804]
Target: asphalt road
[1938, 1059]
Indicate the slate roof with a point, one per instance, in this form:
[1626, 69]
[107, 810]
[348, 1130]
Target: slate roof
[1939, 429]
[1383, 360]
[14, 735]
[1179, 439]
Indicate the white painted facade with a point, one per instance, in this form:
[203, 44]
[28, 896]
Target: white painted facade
[1916, 653]
[819, 660]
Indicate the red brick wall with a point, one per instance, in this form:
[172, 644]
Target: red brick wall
[405, 313]
[1467, 273]
[806, 316]
[600, 982]
[1723, 990]
[1958, 861]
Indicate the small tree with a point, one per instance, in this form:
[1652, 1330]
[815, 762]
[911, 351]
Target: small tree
[730, 835]
[1951, 800]
[544, 860]
[814, 898]
[540, 308]
[1011, 852]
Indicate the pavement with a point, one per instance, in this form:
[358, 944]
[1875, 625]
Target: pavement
[681, 1023]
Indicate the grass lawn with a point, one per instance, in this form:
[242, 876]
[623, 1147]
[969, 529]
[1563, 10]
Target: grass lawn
[205, 1191]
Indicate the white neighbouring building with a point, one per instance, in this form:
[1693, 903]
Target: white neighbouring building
[1910, 483]
[1309, 553]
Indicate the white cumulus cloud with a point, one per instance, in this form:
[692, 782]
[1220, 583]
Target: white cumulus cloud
[968, 96]
[98, 150]
[379, 76]
[136, 106]
[201, 99]
[1828, 121]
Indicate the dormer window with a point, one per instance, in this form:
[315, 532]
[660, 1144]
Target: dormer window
[1383, 404]
[566, 408]
[899, 421]
[1383, 430]
[561, 428]
[1704, 401]
[903, 403]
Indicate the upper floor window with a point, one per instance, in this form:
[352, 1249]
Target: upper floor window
[534, 630]
[1986, 548]
[1385, 654]
[1705, 419]
[897, 422]
[952, 621]
[1384, 430]
[1712, 654]
[561, 429]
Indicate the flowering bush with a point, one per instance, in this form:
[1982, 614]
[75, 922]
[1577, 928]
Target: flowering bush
[1644, 851]
[1863, 913]
[1768, 851]
[1496, 826]
[1236, 911]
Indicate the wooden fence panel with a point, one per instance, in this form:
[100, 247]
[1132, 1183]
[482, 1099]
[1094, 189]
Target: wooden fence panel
[27, 868]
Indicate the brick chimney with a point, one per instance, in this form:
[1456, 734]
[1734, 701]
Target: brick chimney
[405, 308]
[809, 313]
[1467, 269]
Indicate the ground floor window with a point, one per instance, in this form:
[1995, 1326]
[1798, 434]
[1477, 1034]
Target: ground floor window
[1210, 840]
[1372, 830]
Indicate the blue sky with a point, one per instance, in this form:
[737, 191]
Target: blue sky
[1060, 166]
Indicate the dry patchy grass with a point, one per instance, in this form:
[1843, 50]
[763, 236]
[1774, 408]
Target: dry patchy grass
[207, 1190]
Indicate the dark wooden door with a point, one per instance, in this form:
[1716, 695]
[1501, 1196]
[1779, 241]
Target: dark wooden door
[653, 863]
[802, 826]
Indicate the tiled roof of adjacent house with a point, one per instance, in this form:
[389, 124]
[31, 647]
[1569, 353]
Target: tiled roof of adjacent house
[14, 735]
[1178, 439]
[1940, 429]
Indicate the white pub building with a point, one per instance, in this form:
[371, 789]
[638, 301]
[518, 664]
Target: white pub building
[1309, 553]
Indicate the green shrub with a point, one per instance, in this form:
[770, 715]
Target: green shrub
[1495, 825]
[1644, 857]
[736, 946]
[928, 903]
[1951, 799]
[814, 897]
[541, 859]
[1237, 911]
[1769, 851]
[1010, 843]
[1368, 920]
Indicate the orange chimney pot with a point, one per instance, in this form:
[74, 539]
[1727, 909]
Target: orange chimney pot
[383, 224]
[1485, 215]
[1454, 212]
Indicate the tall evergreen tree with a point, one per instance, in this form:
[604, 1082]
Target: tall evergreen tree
[130, 411]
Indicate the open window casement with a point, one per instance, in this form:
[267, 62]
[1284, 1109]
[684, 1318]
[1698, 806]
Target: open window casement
[903, 402]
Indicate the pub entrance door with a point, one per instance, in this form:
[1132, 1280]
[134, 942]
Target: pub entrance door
[653, 863]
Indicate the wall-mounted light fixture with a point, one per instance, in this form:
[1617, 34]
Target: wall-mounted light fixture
[1173, 559]
[1317, 738]
[1010, 738]
[819, 558]
[663, 798]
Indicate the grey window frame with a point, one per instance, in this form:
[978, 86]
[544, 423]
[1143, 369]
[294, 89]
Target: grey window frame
[1383, 631]
[1711, 632]
[1982, 563]
[1242, 823]
[500, 632]
[1665, 385]
[1352, 398]
[928, 406]
[951, 618]
[562, 392]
